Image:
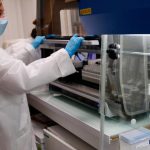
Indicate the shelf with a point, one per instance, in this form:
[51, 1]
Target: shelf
[78, 89]
[84, 43]
[79, 119]
[69, 114]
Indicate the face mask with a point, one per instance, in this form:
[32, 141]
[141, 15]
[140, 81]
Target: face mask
[3, 24]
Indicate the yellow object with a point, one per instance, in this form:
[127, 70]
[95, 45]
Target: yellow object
[86, 11]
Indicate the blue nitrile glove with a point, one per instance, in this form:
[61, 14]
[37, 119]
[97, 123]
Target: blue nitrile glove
[37, 41]
[73, 45]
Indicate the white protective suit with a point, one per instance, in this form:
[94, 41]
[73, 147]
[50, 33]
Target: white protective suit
[21, 49]
[16, 79]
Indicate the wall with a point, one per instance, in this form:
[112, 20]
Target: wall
[49, 20]
[28, 10]
[20, 14]
[58, 5]
[14, 16]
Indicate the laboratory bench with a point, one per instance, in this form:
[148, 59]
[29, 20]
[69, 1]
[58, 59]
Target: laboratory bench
[80, 120]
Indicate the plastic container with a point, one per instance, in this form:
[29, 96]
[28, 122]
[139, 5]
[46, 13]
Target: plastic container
[137, 139]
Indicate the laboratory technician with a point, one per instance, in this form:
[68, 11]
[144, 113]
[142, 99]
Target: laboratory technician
[17, 78]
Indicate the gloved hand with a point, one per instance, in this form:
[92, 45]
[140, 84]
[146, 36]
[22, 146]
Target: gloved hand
[73, 45]
[37, 41]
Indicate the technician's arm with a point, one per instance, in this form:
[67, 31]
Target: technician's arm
[23, 50]
[16, 77]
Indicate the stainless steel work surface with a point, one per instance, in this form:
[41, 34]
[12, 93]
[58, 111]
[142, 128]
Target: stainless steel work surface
[78, 119]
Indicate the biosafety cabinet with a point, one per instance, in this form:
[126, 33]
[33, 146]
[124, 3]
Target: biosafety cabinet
[108, 98]
[122, 73]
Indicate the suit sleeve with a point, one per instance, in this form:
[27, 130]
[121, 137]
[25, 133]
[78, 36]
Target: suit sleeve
[16, 77]
[24, 51]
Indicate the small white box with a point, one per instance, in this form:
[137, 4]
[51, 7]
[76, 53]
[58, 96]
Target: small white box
[137, 139]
